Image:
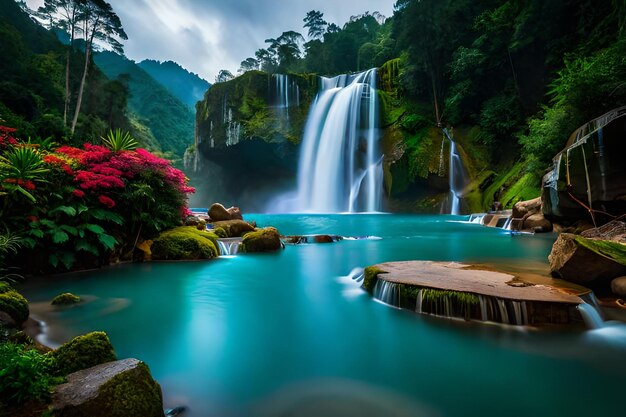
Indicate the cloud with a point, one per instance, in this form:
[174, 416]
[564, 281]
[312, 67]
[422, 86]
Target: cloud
[205, 36]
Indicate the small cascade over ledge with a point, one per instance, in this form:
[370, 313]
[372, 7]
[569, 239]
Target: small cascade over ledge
[229, 246]
[340, 167]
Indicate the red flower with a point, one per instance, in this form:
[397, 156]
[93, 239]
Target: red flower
[108, 202]
[78, 193]
[32, 219]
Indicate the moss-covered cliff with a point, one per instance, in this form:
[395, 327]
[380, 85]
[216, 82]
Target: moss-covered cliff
[250, 107]
[416, 158]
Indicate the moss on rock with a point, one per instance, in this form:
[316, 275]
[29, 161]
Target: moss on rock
[370, 276]
[83, 352]
[184, 243]
[133, 393]
[234, 228]
[612, 250]
[262, 240]
[13, 303]
[65, 299]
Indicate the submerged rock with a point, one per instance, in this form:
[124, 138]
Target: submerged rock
[65, 299]
[120, 388]
[262, 240]
[581, 260]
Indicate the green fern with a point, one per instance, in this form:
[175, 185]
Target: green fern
[119, 141]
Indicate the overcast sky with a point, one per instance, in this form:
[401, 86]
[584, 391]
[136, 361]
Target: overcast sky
[205, 36]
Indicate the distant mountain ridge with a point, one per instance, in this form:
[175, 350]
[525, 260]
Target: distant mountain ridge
[187, 86]
[170, 120]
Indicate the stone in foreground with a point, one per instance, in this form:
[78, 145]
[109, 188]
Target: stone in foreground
[262, 240]
[113, 389]
[577, 259]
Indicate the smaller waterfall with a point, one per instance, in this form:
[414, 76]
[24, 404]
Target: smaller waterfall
[590, 311]
[457, 176]
[229, 246]
[286, 92]
[387, 292]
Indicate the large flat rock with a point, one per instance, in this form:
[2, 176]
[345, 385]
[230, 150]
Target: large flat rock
[455, 276]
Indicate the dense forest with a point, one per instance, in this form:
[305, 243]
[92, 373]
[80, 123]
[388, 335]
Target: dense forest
[511, 79]
[42, 80]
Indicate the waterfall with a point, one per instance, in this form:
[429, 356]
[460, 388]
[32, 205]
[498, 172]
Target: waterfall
[229, 246]
[340, 167]
[387, 292]
[286, 92]
[590, 311]
[456, 176]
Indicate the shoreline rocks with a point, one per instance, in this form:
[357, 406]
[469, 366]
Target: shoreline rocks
[119, 388]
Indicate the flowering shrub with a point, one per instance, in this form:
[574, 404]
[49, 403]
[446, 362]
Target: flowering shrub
[87, 201]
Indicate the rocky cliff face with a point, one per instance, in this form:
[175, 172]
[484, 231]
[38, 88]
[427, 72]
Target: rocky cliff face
[247, 132]
[589, 173]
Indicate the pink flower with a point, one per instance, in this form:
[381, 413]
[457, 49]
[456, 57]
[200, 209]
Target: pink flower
[78, 193]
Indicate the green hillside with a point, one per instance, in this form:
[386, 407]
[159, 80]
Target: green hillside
[170, 120]
[186, 86]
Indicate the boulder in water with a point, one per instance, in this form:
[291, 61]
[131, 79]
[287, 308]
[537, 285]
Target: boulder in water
[235, 213]
[120, 388]
[581, 260]
[527, 215]
[218, 212]
[262, 240]
[618, 286]
[233, 228]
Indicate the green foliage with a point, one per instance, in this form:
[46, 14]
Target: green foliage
[9, 246]
[65, 298]
[118, 141]
[13, 303]
[24, 375]
[185, 242]
[436, 301]
[82, 352]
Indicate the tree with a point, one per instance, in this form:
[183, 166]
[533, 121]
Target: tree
[63, 15]
[316, 24]
[287, 48]
[248, 64]
[223, 76]
[267, 59]
[99, 22]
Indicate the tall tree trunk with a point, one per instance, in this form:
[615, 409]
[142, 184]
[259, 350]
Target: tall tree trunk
[79, 100]
[434, 87]
[67, 88]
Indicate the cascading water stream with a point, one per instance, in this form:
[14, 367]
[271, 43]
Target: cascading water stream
[457, 176]
[229, 246]
[340, 166]
[590, 311]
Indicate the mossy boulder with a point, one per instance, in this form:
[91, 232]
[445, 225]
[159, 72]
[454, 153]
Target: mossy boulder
[234, 228]
[220, 232]
[262, 240]
[587, 261]
[83, 352]
[116, 389]
[65, 299]
[184, 243]
[13, 304]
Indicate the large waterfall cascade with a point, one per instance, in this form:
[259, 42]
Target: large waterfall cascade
[340, 166]
[457, 175]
